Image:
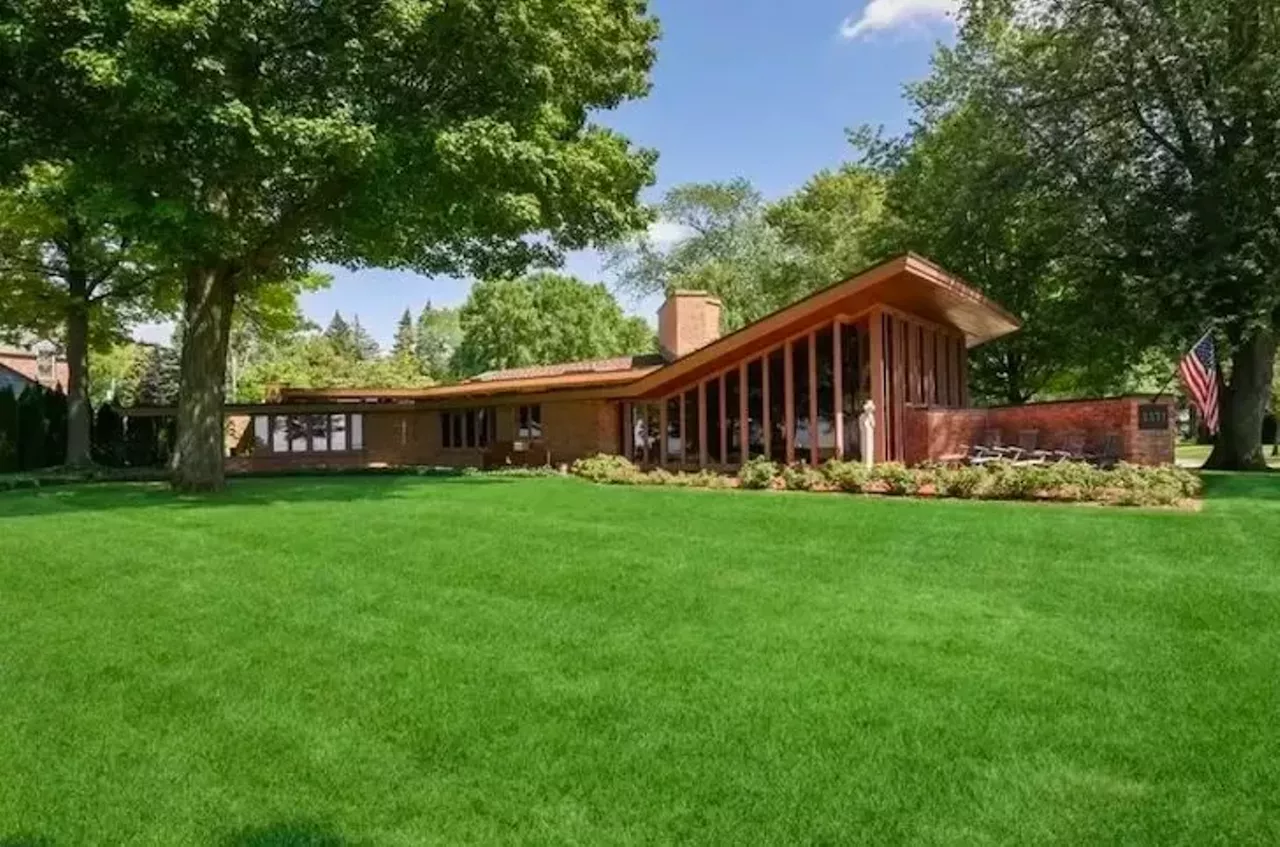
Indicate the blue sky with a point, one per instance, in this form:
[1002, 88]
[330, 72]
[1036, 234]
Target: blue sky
[762, 89]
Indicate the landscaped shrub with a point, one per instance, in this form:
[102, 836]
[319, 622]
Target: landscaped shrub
[895, 478]
[32, 434]
[758, 473]
[963, 481]
[108, 437]
[803, 478]
[850, 477]
[605, 468]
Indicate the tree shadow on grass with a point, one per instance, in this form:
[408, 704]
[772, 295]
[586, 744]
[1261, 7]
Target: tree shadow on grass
[1262, 487]
[241, 492]
[292, 834]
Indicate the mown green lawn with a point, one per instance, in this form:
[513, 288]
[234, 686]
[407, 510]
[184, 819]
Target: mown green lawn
[409, 661]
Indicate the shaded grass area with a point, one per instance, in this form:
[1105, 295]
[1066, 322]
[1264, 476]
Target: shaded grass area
[471, 660]
[1194, 455]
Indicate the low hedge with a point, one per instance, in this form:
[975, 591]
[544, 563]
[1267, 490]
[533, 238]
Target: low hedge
[1067, 481]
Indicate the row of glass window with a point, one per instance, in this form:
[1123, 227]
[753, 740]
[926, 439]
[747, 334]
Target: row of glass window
[338, 433]
[683, 446]
[477, 428]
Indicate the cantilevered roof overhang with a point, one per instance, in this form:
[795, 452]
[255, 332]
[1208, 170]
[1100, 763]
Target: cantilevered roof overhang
[908, 283]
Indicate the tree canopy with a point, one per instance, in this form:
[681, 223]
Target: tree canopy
[542, 319]
[254, 139]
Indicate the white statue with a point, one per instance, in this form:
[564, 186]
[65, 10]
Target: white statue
[867, 432]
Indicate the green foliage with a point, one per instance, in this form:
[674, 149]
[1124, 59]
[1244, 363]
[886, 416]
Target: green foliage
[115, 373]
[159, 382]
[55, 427]
[758, 473]
[895, 478]
[405, 344]
[32, 429]
[803, 478]
[724, 238]
[108, 437]
[606, 468]
[543, 319]
[8, 431]
[849, 477]
[962, 481]
[439, 334]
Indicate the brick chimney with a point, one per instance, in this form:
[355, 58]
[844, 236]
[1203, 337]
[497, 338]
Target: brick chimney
[687, 321]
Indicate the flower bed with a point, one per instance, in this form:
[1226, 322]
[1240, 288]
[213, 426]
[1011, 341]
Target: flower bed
[1128, 485]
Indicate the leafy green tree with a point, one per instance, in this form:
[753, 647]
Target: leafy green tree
[966, 190]
[1165, 118]
[159, 383]
[66, 271]
[115, 373]
[543, 319]
[828, 229]
[729, 249]
[258, 139]
[405, 344]
[439, 334]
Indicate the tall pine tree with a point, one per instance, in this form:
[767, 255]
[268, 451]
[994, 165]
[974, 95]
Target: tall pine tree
[406, 342]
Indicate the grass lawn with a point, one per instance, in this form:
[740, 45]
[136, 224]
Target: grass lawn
[1194, 455]
[415, 661]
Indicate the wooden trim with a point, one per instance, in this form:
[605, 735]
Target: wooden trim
[963, 354]
[900, 385]
[628, 432]
[647, 411]
[744, 424]
[684, 429]
[764, 403]
[789, 399]
[813, 398]
[703, 452]
[837, 365]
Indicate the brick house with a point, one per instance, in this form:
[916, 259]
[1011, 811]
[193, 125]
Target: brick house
[790, 386]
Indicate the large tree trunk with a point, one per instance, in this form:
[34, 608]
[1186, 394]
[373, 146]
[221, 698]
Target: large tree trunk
[1243, 405]
[79, 412]
[197, 455]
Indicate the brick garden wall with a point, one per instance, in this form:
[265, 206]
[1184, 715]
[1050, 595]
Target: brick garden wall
[936, 434]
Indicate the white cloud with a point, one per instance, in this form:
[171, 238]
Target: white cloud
[890, 14]
[666, 233]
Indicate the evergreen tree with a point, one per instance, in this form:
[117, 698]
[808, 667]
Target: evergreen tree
[160, 378]
[366, 348]
[406, 341]
[55, 427]
[341, 337]
[31, 429]
[108, 437]
[8, 431]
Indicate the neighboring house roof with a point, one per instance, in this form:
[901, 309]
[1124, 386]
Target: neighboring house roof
[12, 380]
[908, 283]
[25, 363]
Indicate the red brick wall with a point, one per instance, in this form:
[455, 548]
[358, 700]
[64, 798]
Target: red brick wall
[935, 434]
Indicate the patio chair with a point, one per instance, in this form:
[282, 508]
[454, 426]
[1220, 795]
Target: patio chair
[992, 450]
[1111, 447]
[1029, 452]
[1073, 449]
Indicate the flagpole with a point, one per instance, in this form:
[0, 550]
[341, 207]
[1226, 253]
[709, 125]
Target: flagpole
[1177, 367]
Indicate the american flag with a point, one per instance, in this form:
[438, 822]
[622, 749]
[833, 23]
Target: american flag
[1199, 370]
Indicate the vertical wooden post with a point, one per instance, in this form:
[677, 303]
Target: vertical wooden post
[789, 400]
[647, 411]
[744, 425]
[899, 377]
[813, 398]
[765, 423]
[838, 386]
[662, 433]
[702, 424]
[876, 325]
[962, 353]
[724, 425]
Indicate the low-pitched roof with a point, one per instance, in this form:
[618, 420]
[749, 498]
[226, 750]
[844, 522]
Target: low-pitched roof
[909, 283]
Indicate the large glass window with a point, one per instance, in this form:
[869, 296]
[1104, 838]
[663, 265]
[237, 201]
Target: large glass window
[338, 433]
[732, 415]
[639, 433]
[851, 387]
[755, 407]
[357, 432]
[826, 389]
[654, 430]
[800, 409]
[465, 428]
[279, 434]
[261, 431]
[692, 427]
[529, 423]
[675, 452]
[713, 421]
[777, 406]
